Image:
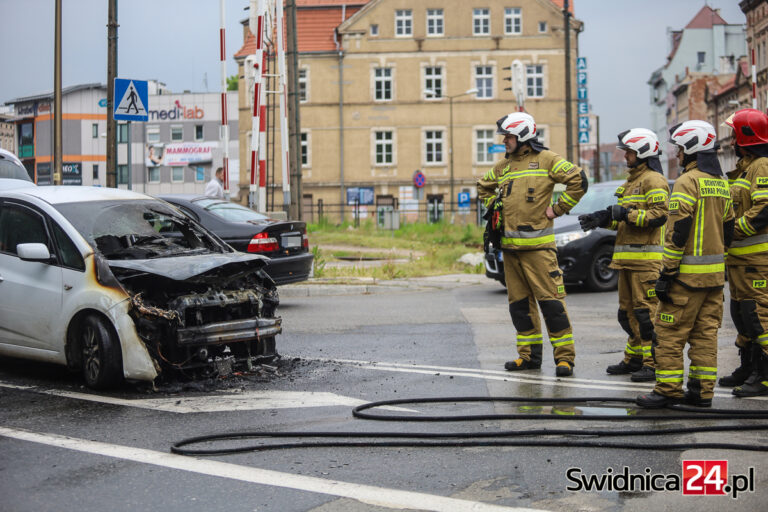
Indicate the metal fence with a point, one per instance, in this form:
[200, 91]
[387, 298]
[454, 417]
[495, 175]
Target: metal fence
[388, 216]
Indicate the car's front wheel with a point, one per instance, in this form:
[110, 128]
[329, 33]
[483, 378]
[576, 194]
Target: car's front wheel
[600, 277]
[101, 356]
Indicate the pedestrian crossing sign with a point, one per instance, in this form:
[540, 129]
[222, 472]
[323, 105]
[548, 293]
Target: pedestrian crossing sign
[131, 100]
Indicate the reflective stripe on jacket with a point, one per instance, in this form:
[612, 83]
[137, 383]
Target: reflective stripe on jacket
[749, 193]
[638, 240]
[699, 207]
[526, 180]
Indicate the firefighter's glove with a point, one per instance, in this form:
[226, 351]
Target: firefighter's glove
[619, 213]
[598, 219]
[663, 283]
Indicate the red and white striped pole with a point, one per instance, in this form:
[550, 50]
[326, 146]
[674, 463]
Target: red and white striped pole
[224, 131]
[282, 80]
[258, 187]
[754, 81]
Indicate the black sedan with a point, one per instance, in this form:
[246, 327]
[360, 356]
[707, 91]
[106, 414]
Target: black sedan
[583, 257]
[284, 242]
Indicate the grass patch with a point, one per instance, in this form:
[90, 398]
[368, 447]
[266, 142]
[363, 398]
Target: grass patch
[430, 249]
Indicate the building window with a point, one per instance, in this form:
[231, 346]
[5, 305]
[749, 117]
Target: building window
[433, 146]
[434, 22]
[177, 174]
[535, 80]
[122, 174]
[153, 134]
[433, 82]
[484, 81]
[95, 174]
[383, 84]
[542, 26]
[303, 83]
[198, 132]
[513, 20]
[403, 23]
[122, 133]
[177, 133]
[153, 174]
[305, 149]
[483, 142]
[481, 21]
[700, 58]
[384, 148]
[95, 130]
[374, 30]
[199, 174]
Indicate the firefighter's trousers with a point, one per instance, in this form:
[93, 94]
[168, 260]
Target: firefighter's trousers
[637, 307]
[534, 281]
[749, 304]
[694, 317]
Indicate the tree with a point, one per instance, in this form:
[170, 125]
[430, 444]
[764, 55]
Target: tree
[232, 83]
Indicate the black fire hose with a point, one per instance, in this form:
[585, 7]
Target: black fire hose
[501, 438]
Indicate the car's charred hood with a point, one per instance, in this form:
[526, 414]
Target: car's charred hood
[203, 269]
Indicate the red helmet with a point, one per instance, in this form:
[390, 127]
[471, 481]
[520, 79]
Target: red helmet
[750, 127]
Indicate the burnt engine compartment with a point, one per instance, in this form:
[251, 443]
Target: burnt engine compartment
[207, 325]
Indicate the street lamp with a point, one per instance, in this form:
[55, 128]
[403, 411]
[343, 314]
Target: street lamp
[450, 125]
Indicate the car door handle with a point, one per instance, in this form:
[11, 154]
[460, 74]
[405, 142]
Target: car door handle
[1, 279]
[67, 287]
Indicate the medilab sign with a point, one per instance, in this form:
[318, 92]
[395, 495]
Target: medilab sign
[179, 112]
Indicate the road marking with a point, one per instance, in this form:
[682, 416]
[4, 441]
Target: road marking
[373, 495]
[227, 401]
[476, 373]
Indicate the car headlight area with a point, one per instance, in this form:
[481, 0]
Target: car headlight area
[563, 239]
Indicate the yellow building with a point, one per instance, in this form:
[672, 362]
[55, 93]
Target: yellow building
[387, 92]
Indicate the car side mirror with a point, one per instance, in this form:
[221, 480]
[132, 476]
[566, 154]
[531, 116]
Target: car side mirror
[33, 252]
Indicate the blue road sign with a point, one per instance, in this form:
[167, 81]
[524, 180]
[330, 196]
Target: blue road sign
[581, 63]
[131, 100]
[583, 123]
[583, 107]
[583, 137]
[463, 200]
[497, 148]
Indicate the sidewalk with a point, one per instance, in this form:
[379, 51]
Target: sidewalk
[358, 286]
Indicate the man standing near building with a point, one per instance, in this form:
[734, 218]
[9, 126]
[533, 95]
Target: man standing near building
[638, 219]
[747, 261]
[214, 188]
[690, 287]
[523, 183]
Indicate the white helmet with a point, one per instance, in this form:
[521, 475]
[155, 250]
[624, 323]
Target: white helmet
[693, 136]
[640, 140]
[518, 124]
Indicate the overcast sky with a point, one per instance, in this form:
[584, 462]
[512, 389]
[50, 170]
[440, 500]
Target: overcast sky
[176, 42]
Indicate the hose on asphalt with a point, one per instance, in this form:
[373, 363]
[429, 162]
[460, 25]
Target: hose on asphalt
[570, 438]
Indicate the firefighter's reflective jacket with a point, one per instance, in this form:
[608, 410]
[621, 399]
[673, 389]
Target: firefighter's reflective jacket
[749, 192]
[525, 181]
[699, 229]
[638, 240]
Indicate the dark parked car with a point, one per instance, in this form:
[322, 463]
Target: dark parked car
[284, 242]
[583, 257]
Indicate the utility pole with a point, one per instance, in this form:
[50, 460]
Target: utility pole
[57, 145]
[111, 74]
[294, 147]
[568, 114]
[597, 150]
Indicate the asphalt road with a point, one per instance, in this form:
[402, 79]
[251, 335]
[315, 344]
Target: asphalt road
[63, 447]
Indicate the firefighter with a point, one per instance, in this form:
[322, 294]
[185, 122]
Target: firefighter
[638, 219]
[747, 261]
[524, 181]
[690, 286]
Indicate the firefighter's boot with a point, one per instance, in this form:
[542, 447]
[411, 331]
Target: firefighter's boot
[564, 369]
[623, 368]
[534, 363]
[757, 383]
[644, 374]
[742, 373]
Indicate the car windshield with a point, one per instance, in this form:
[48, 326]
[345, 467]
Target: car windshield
[10, 169]
[232, 211]
[598, 197]
[139, 229]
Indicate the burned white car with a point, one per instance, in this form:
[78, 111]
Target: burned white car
[123, 286]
